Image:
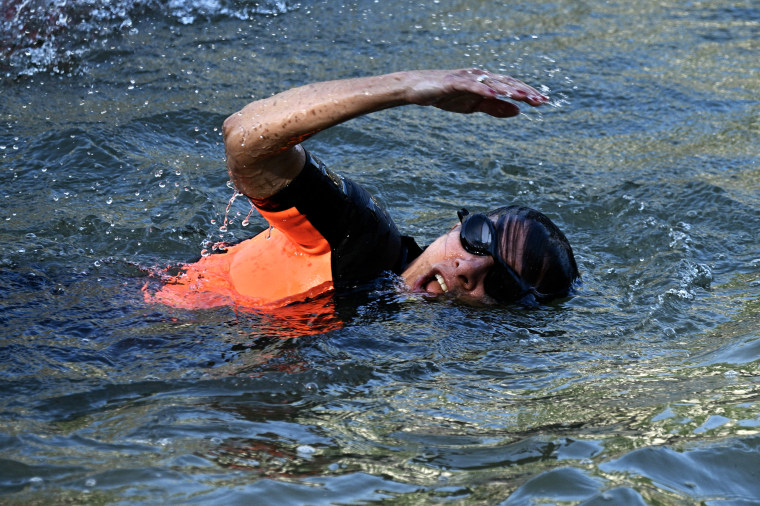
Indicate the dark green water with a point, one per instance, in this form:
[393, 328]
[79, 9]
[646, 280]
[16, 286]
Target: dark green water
[643, 389]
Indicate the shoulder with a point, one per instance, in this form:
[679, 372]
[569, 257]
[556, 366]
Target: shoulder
[362, 236]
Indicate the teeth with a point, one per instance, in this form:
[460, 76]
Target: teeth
[442, 283]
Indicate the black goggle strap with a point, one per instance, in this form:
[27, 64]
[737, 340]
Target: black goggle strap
[505, 271]
[527, 289]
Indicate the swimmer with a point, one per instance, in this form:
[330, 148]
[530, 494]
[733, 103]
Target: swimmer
[326, 232]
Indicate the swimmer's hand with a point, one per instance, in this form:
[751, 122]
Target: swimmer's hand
[471, 90]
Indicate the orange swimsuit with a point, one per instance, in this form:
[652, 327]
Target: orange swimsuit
[325, 232]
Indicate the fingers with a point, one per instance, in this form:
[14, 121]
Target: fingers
[474, 90]
[505, 87]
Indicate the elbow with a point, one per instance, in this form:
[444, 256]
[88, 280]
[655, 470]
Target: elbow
[233, 131]
[234, 135]
[236, 143]
[244, 139]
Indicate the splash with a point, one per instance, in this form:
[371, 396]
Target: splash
[52, 35]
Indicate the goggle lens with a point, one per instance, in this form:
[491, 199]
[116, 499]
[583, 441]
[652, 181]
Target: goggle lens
[477, 233]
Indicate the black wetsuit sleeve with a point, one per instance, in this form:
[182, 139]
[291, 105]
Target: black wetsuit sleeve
[363, 239]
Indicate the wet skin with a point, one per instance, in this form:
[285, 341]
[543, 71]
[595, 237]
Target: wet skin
[462, 272]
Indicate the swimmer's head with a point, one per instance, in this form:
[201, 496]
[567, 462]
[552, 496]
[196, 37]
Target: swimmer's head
[510, 254]
[537, 253]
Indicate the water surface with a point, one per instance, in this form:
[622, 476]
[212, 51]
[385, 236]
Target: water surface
[641, 389]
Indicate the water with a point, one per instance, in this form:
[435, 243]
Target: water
[642, 389]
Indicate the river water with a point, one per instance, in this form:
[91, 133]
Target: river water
[641, 389]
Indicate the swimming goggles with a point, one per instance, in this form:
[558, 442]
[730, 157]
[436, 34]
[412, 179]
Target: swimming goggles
[478, 236]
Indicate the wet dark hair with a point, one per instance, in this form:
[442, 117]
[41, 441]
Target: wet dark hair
[536, 249]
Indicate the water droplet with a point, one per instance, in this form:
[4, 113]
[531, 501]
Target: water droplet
[305, 451]
[522, 333]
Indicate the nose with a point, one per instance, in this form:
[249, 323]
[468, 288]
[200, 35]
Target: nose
[470, 274]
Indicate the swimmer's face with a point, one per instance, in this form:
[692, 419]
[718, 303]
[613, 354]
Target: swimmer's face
[445, 269]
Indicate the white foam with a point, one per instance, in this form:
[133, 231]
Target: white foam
[48, 35]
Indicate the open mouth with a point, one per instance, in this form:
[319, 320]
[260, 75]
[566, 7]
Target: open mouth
[434, 285]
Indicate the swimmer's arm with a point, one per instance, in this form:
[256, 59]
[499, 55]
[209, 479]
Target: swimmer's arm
[262, 141]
